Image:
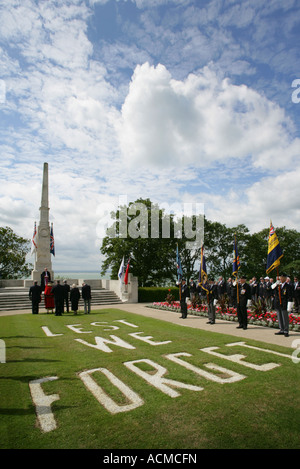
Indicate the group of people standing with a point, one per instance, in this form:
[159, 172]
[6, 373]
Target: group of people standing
[57, 297]
[277, 296]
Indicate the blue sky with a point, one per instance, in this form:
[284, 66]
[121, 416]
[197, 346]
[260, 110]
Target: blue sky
[180, 101]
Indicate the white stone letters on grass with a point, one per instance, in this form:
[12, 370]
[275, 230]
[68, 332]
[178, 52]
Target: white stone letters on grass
[103, 398]
[43, 403]
[155, 376]
[148, 339]
[48, 332]
[163, 384]
[232, 375]
[238, 358]
[101, 341]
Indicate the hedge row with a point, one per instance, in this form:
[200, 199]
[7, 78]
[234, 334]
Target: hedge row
[150, 294]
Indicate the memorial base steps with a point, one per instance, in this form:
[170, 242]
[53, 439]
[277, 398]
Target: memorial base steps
[17, 298]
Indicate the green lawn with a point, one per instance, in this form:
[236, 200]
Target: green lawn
[262, 410]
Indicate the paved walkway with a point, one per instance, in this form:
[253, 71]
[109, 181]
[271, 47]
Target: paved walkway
[254, 332]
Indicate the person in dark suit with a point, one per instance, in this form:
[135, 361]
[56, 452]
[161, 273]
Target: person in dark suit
[67, 292]
[184, 295]
[59, 295]
[268, 295]
[283, 294]
[212, 295]
[74, 298]
[244, 294]
[296, 295]
[35, 297]
[86, 295]
[221, 287]
[45, 278]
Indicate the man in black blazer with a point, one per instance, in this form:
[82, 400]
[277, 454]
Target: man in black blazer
[212, 295]
[185, 293]
[35, 297]
[244, 294]
[45, 278]
[59, 295]
[86, 296]
[296, 295]
[67, 289]
[283, 294]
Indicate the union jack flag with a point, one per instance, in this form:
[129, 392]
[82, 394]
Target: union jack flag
[34, 244]
[52, 249]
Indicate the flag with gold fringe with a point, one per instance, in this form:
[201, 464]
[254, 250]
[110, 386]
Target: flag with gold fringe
[236, 258]
[274, 251]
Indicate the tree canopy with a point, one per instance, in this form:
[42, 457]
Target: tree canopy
[153, 258]
[13, 251]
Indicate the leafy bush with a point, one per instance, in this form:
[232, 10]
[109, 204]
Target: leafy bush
[150, 294]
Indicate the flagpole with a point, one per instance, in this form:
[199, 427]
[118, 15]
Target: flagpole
[207, 294]
[279, 287]
[237, 274]
[180, 283]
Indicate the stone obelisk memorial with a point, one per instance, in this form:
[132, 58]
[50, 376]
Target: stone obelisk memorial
[43, 255]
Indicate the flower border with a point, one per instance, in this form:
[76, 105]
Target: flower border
[269, 319]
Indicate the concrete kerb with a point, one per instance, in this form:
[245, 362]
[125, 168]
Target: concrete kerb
[254, 332]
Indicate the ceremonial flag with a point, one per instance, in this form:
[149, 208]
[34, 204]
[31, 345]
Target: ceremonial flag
[121, 270]
[34, 241]
[126, 273]
[274, 251]
[178, 263]
[202, 270]
[52, 249]
[236, 258]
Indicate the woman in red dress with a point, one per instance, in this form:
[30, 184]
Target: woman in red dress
[49, 297]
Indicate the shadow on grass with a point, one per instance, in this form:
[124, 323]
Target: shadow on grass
[31, 410]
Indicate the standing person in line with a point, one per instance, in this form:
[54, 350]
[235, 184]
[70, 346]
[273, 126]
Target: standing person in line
[185, 295]
[35, 297]
[212, 295]
[244, 292]
[45, 278]
[193, 287]
[268, 293]
[49, 297]
[296, 295]
[283, 294]
[74, 298]
[86, 295]
[59, 293]
[67, 291]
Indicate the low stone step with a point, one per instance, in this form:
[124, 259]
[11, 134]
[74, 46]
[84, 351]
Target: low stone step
[18, 299]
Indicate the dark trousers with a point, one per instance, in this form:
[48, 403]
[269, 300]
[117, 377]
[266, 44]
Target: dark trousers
[183, 306]
[59, 307]
[67, 304]
[283, 319]
[242, 314]
[35, 307]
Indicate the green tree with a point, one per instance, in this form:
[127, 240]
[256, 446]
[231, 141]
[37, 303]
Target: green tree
[289, 240]
[152, 257]
[218, 248]
[13, 251]
[148, 235]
